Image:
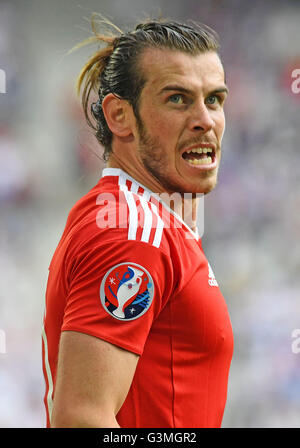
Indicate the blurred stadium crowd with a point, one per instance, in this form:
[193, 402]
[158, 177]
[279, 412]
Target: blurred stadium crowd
[48, 159]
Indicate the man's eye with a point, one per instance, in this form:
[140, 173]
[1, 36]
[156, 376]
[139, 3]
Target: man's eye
[176, 98]
[212, 99]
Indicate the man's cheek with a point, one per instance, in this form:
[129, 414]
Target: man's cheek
[220, 128]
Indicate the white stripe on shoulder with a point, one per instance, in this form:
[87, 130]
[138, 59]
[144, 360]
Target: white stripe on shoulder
[147, 195]
[134, 187]
[148, 219]
[133, 215]
[159, 227]
[148, 209]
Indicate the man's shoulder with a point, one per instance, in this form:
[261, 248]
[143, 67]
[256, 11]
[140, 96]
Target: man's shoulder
[116, 211]
[111, 214]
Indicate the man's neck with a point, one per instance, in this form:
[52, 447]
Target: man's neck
[137, 171]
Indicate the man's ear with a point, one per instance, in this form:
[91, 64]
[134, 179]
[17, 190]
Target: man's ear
[117, 115]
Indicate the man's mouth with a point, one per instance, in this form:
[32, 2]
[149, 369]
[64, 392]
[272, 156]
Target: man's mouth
[200, 156]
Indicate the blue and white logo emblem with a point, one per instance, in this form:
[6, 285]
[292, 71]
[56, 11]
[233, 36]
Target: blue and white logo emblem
[127, 291]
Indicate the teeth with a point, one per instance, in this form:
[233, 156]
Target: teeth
[204, 161]
[200, 150]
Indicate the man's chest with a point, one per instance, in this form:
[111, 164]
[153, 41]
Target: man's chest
[197, 313]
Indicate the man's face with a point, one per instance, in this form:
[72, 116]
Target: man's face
[181, 120]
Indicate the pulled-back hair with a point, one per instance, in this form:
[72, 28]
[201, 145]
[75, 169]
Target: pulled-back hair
[114, 68]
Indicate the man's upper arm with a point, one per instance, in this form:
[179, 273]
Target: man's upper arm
[93, 379]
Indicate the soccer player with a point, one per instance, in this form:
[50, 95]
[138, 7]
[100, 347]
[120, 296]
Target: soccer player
[136, 331]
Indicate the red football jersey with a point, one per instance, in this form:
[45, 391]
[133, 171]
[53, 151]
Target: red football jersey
[128, 270]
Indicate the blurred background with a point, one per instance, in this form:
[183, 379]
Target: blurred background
[49, 158]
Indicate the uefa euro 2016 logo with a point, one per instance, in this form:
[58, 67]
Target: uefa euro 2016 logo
[2, 81]
[127, 291]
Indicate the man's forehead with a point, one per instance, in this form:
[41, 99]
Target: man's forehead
[160, 66]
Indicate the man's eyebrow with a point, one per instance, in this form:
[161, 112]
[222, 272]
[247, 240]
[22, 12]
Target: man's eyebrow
[221, 90]
[177, 88]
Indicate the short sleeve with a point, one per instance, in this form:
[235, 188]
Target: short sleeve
[116, 290]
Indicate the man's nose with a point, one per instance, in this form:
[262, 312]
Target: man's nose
[201, 119]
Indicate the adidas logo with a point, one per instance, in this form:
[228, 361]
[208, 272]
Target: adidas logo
[211, 277]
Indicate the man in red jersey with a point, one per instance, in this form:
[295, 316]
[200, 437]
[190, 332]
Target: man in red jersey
[136, 331]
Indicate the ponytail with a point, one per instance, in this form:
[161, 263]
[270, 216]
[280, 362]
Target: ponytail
[88, 80]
